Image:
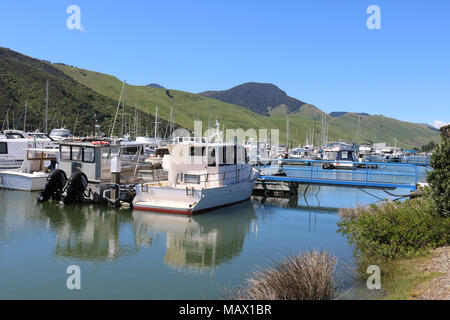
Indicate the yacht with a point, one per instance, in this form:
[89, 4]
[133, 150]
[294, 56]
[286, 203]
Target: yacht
[33, 173]
[59, 134]
[12, 150]
[39, 139]
[203, 174]
[100, 170]
[364, 152]
[300, 153]
[338, 158]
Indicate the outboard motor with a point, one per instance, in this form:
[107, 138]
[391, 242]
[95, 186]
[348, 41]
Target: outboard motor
[54, 186]
[76, 186]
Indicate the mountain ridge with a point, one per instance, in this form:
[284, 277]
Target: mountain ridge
[262, 98]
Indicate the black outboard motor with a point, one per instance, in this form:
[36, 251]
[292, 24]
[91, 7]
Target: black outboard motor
[76, 186]
[54, 186]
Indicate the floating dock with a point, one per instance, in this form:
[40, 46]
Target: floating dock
[285, 178]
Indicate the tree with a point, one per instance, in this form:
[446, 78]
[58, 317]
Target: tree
[428, 147]
[439, 178]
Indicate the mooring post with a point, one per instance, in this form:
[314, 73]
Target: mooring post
[115, 179]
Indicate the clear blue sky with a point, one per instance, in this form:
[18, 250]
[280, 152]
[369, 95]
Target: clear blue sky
[318, 51]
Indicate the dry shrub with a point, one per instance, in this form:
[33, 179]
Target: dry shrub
[306, 276]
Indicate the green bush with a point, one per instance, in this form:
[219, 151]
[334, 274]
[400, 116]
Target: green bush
[439, 178]
[395, 229]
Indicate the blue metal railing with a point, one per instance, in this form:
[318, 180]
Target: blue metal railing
[373, 174]
[417, 160]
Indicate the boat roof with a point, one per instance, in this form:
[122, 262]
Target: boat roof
[339, 150]
[299, 149]
[88, 142]
[49, 150]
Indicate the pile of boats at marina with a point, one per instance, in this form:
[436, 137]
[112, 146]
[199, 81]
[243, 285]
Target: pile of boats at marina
[184, 175]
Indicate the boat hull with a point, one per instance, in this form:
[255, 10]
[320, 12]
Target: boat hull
[22, 181]
[188, 201]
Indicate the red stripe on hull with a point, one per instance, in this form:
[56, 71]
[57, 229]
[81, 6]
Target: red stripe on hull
[184, 212]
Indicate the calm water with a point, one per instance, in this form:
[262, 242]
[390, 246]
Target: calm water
[125, 254]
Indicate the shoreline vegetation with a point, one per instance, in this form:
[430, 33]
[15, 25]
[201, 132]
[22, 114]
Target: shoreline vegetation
[408, 240]
[399, 237]
[305, 276]
[402, 237]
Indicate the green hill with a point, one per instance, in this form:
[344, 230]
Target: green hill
[262, 98]
[188, 107]
[77, 93]
[23, 80]
[378, 128]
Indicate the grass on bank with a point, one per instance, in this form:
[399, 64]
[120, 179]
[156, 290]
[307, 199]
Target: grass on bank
[403, 276]
[396, 236]
[305, 276]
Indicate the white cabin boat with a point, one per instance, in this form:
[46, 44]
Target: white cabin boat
[300, 153]
[12, 151]
[34, 171]
[59, 134]
[342, 159]
[202, 176]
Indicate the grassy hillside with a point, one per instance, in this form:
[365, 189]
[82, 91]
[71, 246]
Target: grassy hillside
[381, 129]
[23, 79]
[189, 107]
[77, 93]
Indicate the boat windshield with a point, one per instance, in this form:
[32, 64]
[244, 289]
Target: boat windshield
[61, 133]
[330, 155]
[13, 135]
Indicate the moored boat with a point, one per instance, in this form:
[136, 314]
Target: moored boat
[33, 173]
[202, 176]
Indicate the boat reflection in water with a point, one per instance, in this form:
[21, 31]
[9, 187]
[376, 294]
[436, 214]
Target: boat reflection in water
[198, 242]
[98, 233]
[88, 232]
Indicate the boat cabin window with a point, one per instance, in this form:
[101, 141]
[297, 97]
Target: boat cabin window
[161, 152]
[65, 152]
[106, 154]
[330, 155]
[77, 154]
[241, 155]
[228, 155]
[346, 155]
[89, 155]
[191, 178]
[3, 148]
[197, 151]
[74, 153]
[211, 157]
[14, 135]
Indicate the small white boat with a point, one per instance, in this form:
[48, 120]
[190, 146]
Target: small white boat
[33, 173]
[300, 153]
[201, 177]
[11, 151]
[342, 159]
[59, 134]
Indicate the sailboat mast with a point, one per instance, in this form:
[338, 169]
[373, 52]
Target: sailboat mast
[156, 122]
[117, 111]
[46, 110]
[171, 121]
[75, 126]
[123, 107]
[135, 121]
[25, 117]
[287, 131]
